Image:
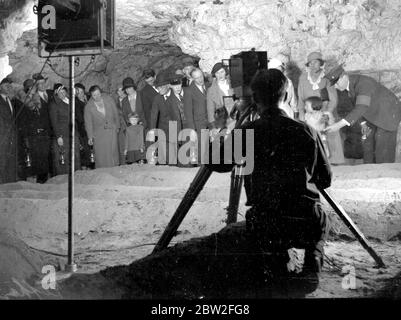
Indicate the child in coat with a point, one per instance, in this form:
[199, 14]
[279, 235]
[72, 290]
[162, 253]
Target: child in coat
[319, 120]
[134, 141]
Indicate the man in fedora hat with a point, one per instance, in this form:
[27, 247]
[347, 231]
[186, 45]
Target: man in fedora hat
[160, 115]
[146, 95]
[177, 115]
[377, 107]
[8, 134]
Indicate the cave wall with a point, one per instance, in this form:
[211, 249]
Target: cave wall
[364, 34]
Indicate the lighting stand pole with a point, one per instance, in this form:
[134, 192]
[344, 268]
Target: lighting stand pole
[71, 266]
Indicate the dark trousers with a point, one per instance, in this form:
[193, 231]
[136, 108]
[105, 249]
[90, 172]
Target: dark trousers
[278, 233]
[379, 146]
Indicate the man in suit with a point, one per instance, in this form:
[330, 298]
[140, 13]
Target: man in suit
[187, 70]
[146, 95]
[8, 140]
[34, 126]
[195, 108]
[46, 97]
[379, 108]
[160, 116]
[121, 95]
[177, 116]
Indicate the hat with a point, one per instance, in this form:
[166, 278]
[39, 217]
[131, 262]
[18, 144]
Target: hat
[129, 83]
[162, 79]
[6, 80]
[79, 85]
[28, 83]
[334, 74]
[314, 56]
[38, 77]
[275, 63]
[217, 67]
[176, 79]
[147, 73]
[188, 64]
[57, 87]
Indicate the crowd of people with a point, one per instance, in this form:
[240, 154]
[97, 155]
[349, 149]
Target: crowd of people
[357, 117]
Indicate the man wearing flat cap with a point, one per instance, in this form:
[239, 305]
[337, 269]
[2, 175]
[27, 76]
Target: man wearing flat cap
[377, 107]
[8, 134]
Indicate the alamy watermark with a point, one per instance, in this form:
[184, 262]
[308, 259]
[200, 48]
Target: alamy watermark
[210, 147]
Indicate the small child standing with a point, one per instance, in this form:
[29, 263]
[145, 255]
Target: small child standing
[134, 141]
[319, 120]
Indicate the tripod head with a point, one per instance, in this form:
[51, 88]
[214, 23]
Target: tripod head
[242, 69]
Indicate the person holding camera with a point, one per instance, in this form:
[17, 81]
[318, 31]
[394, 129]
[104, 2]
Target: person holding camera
[288, 159]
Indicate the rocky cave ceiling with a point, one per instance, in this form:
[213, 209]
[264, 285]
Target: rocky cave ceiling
[365, 34]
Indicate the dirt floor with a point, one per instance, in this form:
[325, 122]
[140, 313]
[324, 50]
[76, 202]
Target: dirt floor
[121, 212]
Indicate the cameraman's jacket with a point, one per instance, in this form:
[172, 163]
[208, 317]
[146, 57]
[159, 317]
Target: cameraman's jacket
[289, 159]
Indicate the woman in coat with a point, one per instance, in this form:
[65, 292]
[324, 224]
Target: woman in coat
[313, 83]
[102, 125]
[219, 89]
[59, 111]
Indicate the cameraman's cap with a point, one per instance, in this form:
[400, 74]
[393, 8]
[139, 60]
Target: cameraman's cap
[176, 79]
[218, 66]
[314, 56]
[38, 77]
[148, 73]
[334, 74]
[6, 80]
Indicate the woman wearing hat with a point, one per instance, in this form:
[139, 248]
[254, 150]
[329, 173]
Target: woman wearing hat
[102, 125]
[313, 83]
[60, 120]
[219, 89]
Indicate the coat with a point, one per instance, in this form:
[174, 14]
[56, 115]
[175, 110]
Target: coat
[305, 90]
[288, 158]
[104, 130]
[195, 108]
[34, 126]
[175, 105]
[160, 115]
[144, 101]
[126, 109]
[374, 102]
[8, 140]
[59, 113]
[215, 100]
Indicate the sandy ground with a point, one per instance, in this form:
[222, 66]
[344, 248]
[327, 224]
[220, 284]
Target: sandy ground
[121, 212]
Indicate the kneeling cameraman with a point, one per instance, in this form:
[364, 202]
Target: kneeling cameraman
[288, 159]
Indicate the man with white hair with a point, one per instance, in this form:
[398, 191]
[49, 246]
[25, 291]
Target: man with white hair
[290, 103]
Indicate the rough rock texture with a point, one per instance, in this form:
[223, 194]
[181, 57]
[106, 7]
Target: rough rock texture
[365, 34]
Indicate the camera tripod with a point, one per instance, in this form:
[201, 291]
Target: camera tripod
[237, 180]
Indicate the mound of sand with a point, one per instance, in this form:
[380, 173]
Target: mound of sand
[20, 269]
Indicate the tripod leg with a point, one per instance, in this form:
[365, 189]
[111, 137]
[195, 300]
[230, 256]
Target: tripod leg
[237, 180]
[353, 227]
[186, 203]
